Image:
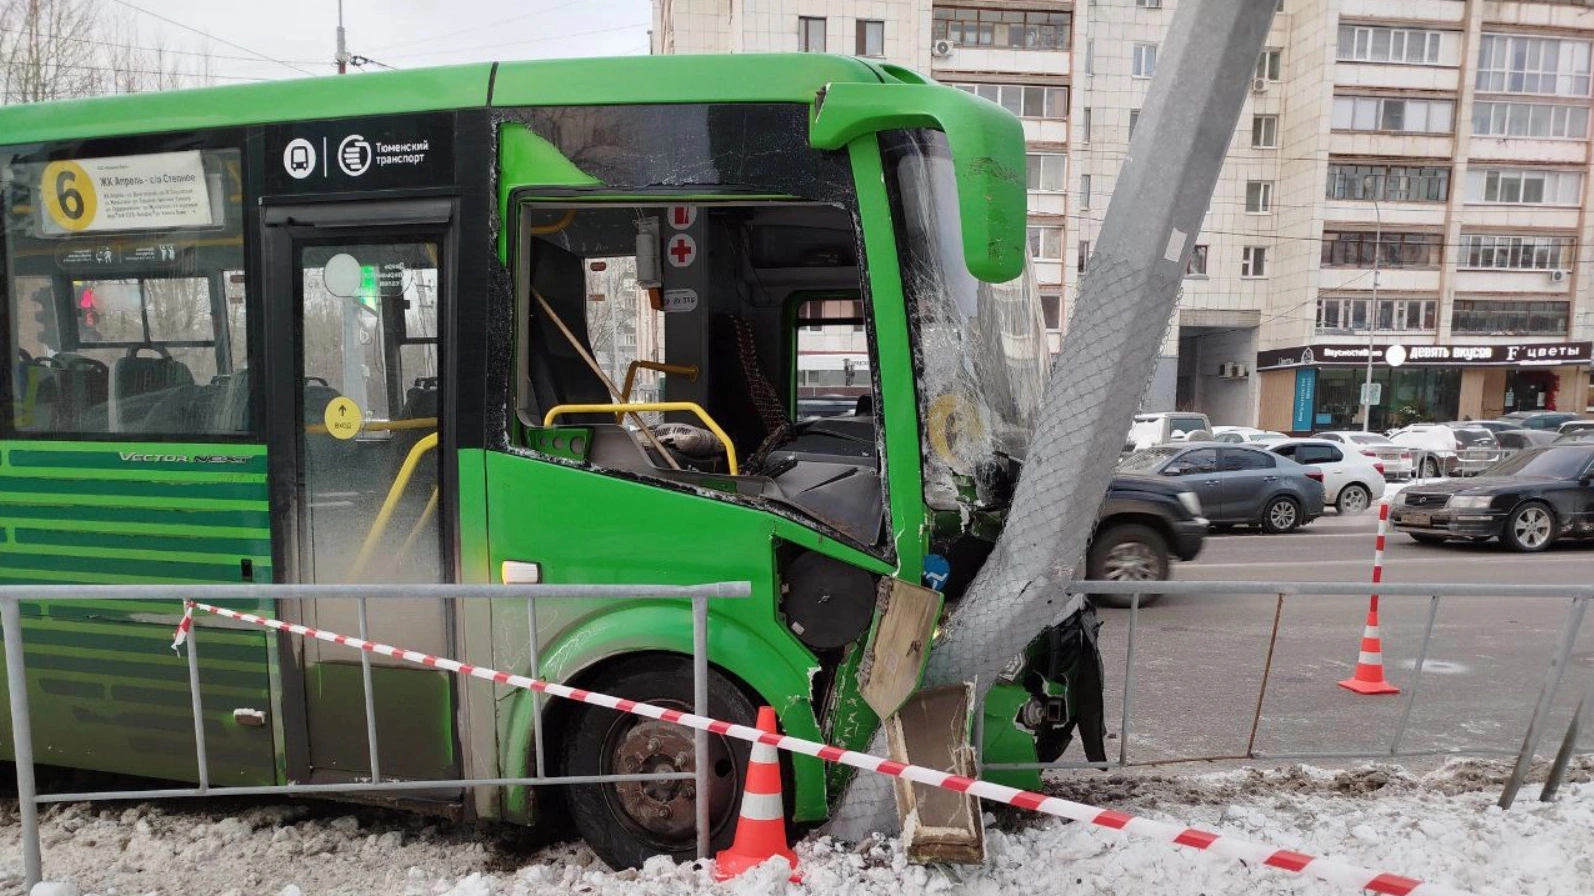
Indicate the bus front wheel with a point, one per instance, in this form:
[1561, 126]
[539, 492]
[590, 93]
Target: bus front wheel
[628, 822]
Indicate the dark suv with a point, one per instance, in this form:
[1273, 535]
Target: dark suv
[1144, 521]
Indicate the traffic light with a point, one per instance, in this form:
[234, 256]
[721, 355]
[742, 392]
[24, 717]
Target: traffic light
[370, 289]
[49, 327]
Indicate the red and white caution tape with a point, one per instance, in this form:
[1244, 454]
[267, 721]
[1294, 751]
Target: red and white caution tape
[1329, 870]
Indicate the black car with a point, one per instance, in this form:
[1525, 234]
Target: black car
[1528, 500]
[1144, 522]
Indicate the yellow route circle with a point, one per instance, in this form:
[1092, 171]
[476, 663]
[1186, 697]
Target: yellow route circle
[953, 418]
[69, 196]
[343, 418]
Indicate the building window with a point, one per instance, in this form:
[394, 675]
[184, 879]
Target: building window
[968, 26]
[1388, 183]
[1515, 253]
[810, 34]
[1405, 46]
[1392, 249]
[1269, 64]
[1084, 254]
[1084, 125]
[1509, 318]
[1197, 265]
[1372, 113]
[1134, 119]
[1516, 63]
[1264, 131]
[1084, 192]
[1047, 172]
[1090, 56]
[1023, 100]
[1145, 61]
[1258, 197]
[1052, 309]
[871, 37]
[1046, 243]
[1516, 186]
[1339, 314]
[1253, 262]
[1544, 120]
[1149, 4]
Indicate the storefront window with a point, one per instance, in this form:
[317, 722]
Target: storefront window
[1410, 395]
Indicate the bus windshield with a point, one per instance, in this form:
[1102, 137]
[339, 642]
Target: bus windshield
[981, 347]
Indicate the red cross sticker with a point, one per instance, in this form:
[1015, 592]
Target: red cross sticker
[682, 216]
[682, 251]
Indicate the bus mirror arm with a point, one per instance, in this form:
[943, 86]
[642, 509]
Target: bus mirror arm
[987, 145]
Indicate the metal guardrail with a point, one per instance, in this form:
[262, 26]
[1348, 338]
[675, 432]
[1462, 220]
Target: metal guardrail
[1578, 597]
[29, 800]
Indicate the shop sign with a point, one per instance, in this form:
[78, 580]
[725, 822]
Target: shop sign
[1518, 354]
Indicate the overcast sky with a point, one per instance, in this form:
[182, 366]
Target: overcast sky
[401, 33]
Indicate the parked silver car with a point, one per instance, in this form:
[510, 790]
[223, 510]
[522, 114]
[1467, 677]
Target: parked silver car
[1446, 450]
[1238, 484]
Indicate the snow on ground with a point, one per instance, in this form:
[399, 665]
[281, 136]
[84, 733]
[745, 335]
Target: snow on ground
[1442, 826]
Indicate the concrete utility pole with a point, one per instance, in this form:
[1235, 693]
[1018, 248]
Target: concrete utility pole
[1372, 318]
[343, 47]
[1127, 299]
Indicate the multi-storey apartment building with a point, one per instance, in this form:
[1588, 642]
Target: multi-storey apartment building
[1411, 175]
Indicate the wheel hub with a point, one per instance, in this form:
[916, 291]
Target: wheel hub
[662, 808]
[1130, 562]
[1533, 527]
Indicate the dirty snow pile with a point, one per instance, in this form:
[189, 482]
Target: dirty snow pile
[1442, 827]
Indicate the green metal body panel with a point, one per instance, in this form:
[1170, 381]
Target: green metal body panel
[106, 689]
[1005, 741]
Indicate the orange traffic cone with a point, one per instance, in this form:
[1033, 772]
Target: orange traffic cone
[1369, 677]
[761, 829]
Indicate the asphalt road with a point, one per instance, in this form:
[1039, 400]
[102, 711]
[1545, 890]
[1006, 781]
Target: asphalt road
[1200, 660]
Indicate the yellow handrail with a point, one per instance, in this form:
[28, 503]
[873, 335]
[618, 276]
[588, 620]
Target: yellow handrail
[689, 371]
[394, 493]
[646, 407]
[382, 425]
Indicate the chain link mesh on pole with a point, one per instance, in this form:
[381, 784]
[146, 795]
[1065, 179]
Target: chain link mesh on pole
[1127, 298]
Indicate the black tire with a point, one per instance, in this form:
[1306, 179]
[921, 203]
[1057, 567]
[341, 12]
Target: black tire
[621, 821]
[1281, 514]
[1127, 552]
[1360, 497]
[1427, 539]
[1530, 528]
[1430, 468]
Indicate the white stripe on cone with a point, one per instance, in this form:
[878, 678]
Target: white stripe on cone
[762, 806]
[1370, 659]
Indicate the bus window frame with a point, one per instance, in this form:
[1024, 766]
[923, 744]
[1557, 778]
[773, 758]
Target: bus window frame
[236, 139]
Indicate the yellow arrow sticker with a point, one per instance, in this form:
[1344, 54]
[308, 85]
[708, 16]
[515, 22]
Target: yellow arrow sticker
[343, 418]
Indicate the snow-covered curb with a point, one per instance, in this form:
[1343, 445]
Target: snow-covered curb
[1441, 827]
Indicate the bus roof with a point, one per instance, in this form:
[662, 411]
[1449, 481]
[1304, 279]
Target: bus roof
[792, 77]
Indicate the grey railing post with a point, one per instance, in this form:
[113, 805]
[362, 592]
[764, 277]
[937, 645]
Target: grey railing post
[1563, 756]
[1541, 712]
[534, 659]
[699, 736]
[22, 738]
[1416, 677]
[370, 696]
[1129, 679]
[192, 651]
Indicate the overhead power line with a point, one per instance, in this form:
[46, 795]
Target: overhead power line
[525, 41]
[433, 39]
[132, 46]
[261, 56]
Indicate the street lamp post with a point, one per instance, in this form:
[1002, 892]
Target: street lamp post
[1372, 313]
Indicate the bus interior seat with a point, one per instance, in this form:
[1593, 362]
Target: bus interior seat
[38, 394]
[559, 375]
[135, 377]
[85, 385]
[230, 412]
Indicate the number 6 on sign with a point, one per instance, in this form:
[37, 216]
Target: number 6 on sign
[68, 195]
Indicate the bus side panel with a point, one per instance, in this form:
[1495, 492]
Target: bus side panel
[594, 529]
[106, 690]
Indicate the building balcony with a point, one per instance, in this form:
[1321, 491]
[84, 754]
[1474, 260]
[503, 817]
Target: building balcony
[1393, 213]
[1336, 279]
[1526, 149]
[995, 59]
[1397, 77]
[1384, 144]
[1539, 283]
[1045, 130]
[1447, 11]
[1500, 217]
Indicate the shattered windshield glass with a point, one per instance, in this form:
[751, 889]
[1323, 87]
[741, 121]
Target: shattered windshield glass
[980, 349]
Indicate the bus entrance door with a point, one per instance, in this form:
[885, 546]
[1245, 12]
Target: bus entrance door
[366, 442]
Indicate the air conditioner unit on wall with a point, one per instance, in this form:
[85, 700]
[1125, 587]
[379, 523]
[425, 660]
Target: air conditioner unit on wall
[941, 49]
[1259, 85]
[1557, 276]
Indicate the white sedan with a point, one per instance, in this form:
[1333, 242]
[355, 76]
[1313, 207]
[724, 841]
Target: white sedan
[1243, 434]
[1397, 459]
[1351, 480]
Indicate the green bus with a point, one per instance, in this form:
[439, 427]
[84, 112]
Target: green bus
[573, 322]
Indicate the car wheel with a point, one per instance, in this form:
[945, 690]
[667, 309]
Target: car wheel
[1127, 553]
[1353, 499]
[626, 823]
[1281, 514]
[1529, 528]
[1430, 468]
[1427, 539]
